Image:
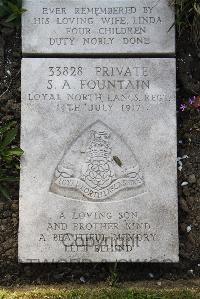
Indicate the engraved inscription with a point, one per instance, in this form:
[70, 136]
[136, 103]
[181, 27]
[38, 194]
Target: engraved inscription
[99, 26]
[107, 89]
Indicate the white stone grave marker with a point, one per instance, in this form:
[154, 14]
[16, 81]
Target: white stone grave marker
[98, 178]
[98, 27]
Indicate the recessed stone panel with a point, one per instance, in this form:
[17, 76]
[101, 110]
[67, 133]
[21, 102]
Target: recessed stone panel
[98, 177]
[95, 27]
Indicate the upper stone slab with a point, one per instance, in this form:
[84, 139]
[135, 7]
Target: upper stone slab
[98, 27]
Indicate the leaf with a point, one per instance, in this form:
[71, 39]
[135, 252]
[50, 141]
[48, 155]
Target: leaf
[6, 127]
[6, 158]
[197, 8]
[117, 161]
[13, 7]
[22, 10]
[9, 179]
[10, 136]
[10, 12]
[13, 152]
[17, 166]
[11, 18]
[4, 191]
[3, 11]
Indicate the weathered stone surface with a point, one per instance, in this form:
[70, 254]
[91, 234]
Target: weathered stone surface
[85, 27]
[98, 179]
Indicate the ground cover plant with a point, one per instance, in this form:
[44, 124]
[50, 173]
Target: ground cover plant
[9, 157]
[188, 18]
[187, 13]
[10, 12]
[100, 293]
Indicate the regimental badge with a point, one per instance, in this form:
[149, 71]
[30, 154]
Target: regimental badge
[98, 166]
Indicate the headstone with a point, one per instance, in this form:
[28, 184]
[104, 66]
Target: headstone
[98, 179]
[101, 27]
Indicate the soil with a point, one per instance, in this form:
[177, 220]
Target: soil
[188, 84]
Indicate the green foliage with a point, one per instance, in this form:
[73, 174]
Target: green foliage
[10, 12]
[9, 157]
[98, 293]
[186, 11]
[114, 277]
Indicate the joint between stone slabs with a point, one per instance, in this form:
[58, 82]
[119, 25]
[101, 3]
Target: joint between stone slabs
[100, 56]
